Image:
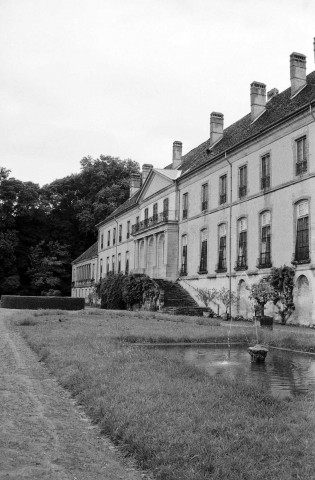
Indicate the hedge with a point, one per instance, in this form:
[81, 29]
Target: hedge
[34, 303]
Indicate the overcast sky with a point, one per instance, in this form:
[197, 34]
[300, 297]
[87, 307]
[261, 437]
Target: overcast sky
[128, 77]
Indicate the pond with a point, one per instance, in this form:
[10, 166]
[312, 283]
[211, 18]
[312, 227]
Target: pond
[284, 374]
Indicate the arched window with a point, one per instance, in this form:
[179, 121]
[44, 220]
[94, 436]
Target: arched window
[264, 260]
[184, 256]
[221, 267]
[203, 251]
[302, 250]
[241, 262]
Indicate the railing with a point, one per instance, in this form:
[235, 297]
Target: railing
[265, 182]
[221, 266]
[241, 263]
[242, 191]
[301, 167]
[264, 260]
[156, 219]
[301, 255]
[85, 282]
[222, 198]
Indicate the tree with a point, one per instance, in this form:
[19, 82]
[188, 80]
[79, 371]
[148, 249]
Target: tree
[282, 281]
[48, 267]
[261, 293]
[207, 295]
[228, 298]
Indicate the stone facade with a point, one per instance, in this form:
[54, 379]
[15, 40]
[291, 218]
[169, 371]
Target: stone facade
[238, 204]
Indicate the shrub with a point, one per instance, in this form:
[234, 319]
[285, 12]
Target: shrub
[110, 291]
[282, 282]
[35, 303]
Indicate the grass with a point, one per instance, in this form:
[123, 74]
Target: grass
[175, 420]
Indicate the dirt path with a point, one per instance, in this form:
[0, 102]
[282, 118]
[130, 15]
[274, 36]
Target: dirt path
[43, 433]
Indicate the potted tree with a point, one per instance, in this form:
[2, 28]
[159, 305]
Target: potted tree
[228, 298]
[282, 282]
[261, 293]
[207, 296]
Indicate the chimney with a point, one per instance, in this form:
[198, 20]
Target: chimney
[135, 183]
[297, 72]
[272, 93]
[257, 99]
[146, 168]
[177, 154]
[216, 127]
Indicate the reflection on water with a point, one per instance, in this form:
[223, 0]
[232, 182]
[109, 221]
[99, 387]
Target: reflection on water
[284, 374]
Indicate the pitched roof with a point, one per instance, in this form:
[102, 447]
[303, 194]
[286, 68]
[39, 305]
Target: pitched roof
[244, 129]
[89, 253]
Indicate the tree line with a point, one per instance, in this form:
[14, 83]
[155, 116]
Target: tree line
[42, 229]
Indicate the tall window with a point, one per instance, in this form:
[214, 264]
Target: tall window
[185, 205]
[242, 181]
[114, 236]
[108, 238]
[127, 264]
[119, 263]
[301, 156]
[102, 242]
[113, 263]
[222, 189]
[146, 217]
[203, 252]
[204, 196]
[101, 268]
[222, 248]
[302, 251]
[155, 212]
[93, 271]
[165, 209]
[265, 172]
[128, 229]
[265, 241]
[241, 262]
[184, 255]
[120, 233]
[107, 265]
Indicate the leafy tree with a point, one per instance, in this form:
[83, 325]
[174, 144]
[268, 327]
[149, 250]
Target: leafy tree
[48, 267]
[282, 281]
[8, 269]
[228, 298]
[207, 295]
[261, 293]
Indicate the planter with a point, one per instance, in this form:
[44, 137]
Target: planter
[266, 321]
[258, 353]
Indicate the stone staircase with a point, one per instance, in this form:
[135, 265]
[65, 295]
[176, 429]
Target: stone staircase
[177, 300]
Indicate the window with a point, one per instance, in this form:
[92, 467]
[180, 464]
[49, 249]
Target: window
[242, 181]
[203, 252]
[146, 217]
[184, 256]
[120, 233]
[114, 236]
[222, 189]
[301, 157]
[204, 197]
[128, 229]
[102, 242]
[108, 238]
[93, 271]
[221, 267]
[119, 263]
[241, 262]
[264, 260]
[302, 253]
[165, 209]
[265, 172]
[127, 264]
[101, 268]
[113, 263]
[185, 205]
[107, 265]
[155, 212]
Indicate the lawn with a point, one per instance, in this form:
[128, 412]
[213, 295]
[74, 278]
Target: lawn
[176, 421]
